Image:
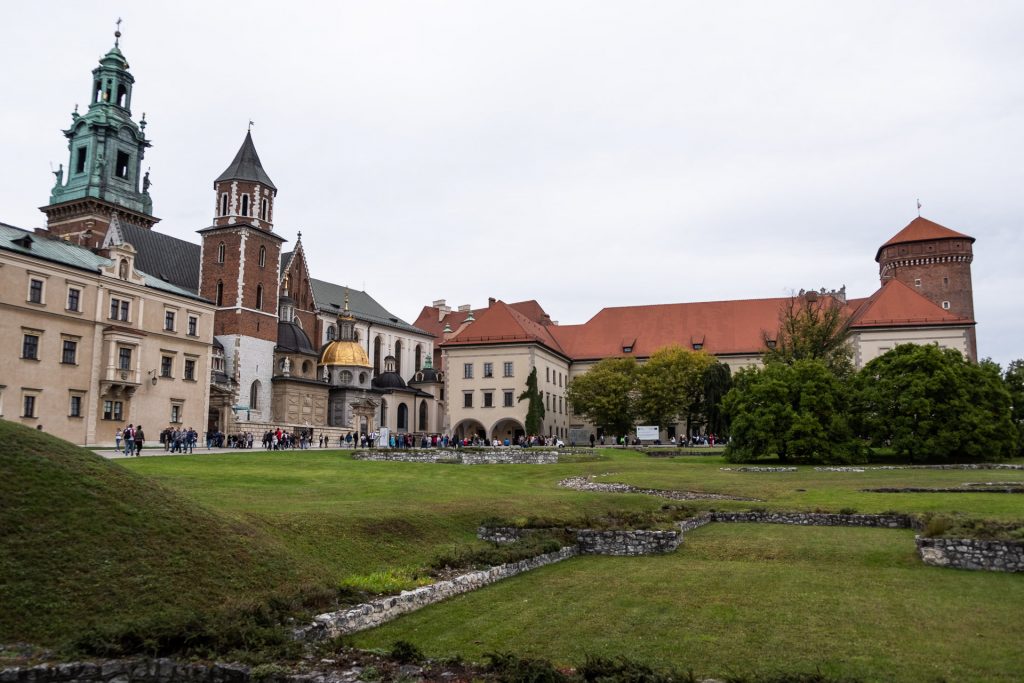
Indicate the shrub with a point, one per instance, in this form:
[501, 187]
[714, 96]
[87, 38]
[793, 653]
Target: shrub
[510, 668]
[405, 652]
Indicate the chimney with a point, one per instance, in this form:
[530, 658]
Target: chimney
[465, 308]
[442, 309]
[490, 301]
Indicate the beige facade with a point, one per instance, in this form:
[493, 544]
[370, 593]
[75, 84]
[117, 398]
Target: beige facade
[869, 344]
[92, 344]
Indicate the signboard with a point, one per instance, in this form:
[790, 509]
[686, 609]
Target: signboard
[579, 436]
[648, 433]
[384, 441]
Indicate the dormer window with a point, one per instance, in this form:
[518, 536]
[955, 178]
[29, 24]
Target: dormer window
[697, 346]
[770, 343]
[627, 349]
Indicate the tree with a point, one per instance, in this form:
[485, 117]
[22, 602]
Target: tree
[606, 394]
[717, 381]
[929, 403]
[670, 385]
[795, 411]
[535, 408]
[812, 326]
[1014, 381]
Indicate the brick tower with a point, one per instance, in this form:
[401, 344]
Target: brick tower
[104, 173]
[241, 259]
[936, 262]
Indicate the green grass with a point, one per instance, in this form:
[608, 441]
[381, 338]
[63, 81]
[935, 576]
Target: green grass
[746, 598]
[88, 541]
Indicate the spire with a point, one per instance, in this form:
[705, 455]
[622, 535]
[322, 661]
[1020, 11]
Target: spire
[246, 166]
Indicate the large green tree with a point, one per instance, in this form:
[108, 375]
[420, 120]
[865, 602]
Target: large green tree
[1014, 381]
[717, 381]
[670, 385]
[796, 411]
[535, 404]
[812, 326]
[929, 403]
[606, 395]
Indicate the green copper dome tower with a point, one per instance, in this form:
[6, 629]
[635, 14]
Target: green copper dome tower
[104, 174]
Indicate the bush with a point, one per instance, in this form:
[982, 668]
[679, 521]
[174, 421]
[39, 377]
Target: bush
[468, 557]
[510, 668]
[405, 652]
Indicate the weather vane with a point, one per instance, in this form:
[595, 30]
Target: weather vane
[251, 124]
[117, 33]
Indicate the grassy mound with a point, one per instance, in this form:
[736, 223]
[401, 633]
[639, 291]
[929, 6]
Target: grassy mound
[95, 554]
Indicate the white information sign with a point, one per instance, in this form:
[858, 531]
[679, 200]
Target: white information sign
[648, 432]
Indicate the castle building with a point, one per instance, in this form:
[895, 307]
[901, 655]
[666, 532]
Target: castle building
[925, 297]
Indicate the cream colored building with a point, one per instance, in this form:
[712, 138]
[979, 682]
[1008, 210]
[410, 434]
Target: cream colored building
[93, 344]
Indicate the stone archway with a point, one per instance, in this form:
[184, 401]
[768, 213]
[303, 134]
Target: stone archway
[467, 429]
[507, 428]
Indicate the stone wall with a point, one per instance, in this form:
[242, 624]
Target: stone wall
[124, 670]
[502, 535]
[376, 612]
[627, 543]
[968, 553]
[816, 519]
[527, 456]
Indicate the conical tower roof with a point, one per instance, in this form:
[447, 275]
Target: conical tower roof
[246, 166]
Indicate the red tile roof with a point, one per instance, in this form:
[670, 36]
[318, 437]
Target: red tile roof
[501, 323]
[428, 319]
[897, 304]
[920, 230]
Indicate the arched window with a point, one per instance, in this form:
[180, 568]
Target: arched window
[383, 414]
[122, 96]
[245, 205]
[254, 396]
[403, 416]
[419, 358]
[263, 257]
[220, 293]
[264, 204]
[398, 357]
[224, 204]
[96, 92]
[423, 416]
[259, 297]
[220, 252]
[305, 367]
[376, 355]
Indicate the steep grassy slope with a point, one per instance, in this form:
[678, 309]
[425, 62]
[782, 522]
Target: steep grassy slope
[89, 547]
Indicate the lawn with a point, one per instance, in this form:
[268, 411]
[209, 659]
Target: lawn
[734, 598]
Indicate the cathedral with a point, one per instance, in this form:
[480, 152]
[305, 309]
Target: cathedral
[287, 350]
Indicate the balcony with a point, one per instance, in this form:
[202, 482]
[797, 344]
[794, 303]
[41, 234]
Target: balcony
[119, 382]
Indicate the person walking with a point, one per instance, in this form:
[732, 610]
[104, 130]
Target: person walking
[140, 438]
[129, 440]
[117, 440]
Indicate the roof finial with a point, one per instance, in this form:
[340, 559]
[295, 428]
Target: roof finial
[346, 299]
[251, 124]
[918, 207]
[117, 33]
[300, 236]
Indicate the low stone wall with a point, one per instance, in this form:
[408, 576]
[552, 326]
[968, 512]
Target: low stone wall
[587, 484]
[125, 670]
[758, 469]
[695, 522]
[502, 535]
[969, 466]
[968, 553]
[956, 489]
[816, 519]
[629, 543]
[385, 609]
[526, 456]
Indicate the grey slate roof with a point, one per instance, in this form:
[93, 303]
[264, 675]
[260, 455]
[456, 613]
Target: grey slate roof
[246, 166]
[167, 257]
[74, 256]
[330, 298]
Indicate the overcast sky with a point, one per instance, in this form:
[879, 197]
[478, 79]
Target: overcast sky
[584, 154]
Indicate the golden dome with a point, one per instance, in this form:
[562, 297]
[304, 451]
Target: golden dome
[345, 353]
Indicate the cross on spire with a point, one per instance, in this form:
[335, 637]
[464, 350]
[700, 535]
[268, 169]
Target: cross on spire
[117, 33]
[251, 124]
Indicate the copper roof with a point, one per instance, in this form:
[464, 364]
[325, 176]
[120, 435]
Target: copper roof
[920, 230]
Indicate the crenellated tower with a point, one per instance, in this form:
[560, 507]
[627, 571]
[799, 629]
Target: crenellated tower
[241, 260]
[104, 172]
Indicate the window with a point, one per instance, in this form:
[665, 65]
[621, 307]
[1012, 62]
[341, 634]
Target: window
[190, 369]
[770, 343]
[176, 410]
[75, 406]
[629, 349]
[224, 204]
[945, 305]
[124, 358]
[263, 256]
[263, 209]
[917, 282]
[29, 405]
[113, 410]
[345, 377]
[488, 399]
[945, 282]
[35, 291]
[508, 399]
[254, 395]
[697, 346]
[30, 347]
[403, 416]
[169, 321]
[331, 332]
[119, 309]
[74, 298]
[467, 400]
[508, 368]
[220, 252]
[193, 324]
[547, 374]
[166, 363]
[259, 297]
[488, 369]
[245, 205]
[220, 293]
[80, 160]
[467, 371]
[69, 354]
[121, 168]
